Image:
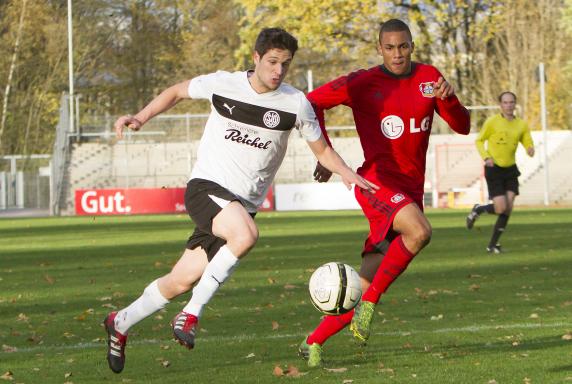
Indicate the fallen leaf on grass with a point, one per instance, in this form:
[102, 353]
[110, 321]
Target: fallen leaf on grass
[567, 336]
[23, 317]
[8, 375]
[347, 381]
[50, 280]
[493, 381]
[438, 317]
[67, 375]
[336, 370]
[165, 363]
[271, 280]
[249, 356]
[275, 325]
[293, 371]
[389, 371]
[474, 276]
[278, 371]
[474, 287]
[9, 348]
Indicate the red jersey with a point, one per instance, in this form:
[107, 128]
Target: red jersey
[393, 116]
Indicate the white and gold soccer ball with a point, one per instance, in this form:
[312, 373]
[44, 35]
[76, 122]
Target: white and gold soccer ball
[335, 288]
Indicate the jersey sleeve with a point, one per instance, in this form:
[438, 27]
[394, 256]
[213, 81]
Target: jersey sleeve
[203, 86]
[526, 138]
[327, 96]
[455, 114]
[307, 122]
[452, 111]
[482, 137]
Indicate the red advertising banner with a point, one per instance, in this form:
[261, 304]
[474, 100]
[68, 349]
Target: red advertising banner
[139, 201]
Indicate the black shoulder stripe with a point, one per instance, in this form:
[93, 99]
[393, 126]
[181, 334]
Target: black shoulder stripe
[254, 114]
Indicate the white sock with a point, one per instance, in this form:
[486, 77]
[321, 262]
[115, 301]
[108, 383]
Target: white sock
[148, 303]
[216, 272]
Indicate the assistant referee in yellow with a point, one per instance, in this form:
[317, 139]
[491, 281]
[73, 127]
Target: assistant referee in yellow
[502, 133]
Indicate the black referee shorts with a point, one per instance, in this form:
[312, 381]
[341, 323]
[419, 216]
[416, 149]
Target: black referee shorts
[204, 199]
[502, 179]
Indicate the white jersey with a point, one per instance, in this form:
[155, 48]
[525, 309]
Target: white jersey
[246, 134]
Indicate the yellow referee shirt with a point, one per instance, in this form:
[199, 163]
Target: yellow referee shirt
[502, 138]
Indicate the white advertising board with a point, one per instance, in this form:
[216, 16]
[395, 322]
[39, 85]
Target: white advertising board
[314, 197]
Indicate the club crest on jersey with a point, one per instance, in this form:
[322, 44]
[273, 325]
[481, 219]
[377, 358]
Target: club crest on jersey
[427, 89]
[271, 119]
[397, 198]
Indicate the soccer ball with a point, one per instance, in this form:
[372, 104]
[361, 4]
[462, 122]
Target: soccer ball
[335, 288]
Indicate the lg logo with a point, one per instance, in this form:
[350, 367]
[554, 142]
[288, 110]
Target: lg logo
[393, 126]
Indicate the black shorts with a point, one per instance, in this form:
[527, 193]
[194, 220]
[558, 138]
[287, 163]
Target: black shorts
[502, 179]
[200, 201]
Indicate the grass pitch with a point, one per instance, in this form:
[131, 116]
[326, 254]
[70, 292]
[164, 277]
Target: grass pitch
[457, 315]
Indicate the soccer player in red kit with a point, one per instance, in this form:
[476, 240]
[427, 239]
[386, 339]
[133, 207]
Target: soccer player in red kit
[393, 106]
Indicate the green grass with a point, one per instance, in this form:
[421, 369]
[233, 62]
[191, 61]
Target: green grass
[495, 317]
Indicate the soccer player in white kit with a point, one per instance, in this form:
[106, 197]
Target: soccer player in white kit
[243, 144]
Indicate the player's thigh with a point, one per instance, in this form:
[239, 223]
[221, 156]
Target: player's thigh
[495, 182]
[411, 221]
[510, 197]
[234, 222]
[500, 203]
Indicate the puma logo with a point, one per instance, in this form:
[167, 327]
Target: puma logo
[229, 108]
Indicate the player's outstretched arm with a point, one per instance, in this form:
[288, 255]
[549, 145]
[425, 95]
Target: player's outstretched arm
[333, 162]
[166, 100]
[327, 96]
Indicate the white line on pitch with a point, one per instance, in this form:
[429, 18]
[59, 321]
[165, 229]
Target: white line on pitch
[207, 339]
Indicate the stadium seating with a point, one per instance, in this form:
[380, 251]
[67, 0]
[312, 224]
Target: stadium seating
[453, 166]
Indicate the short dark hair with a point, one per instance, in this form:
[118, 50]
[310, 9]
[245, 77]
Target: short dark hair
[394, 25]
[507, 93]
[270, 38]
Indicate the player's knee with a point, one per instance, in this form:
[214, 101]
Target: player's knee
[422, 236]
[245, 239]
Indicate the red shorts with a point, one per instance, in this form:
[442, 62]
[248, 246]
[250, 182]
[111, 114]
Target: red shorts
[380, 209]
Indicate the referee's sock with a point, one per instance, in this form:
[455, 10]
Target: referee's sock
[498, 230]
[488, 208]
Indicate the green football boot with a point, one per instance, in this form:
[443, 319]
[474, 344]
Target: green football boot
[361, 321]
[311, 352]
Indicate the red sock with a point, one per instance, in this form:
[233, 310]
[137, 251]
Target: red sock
[329, 326]
[392, 265]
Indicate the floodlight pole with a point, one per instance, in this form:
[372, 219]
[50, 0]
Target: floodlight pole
[544, 132]
[70, 68]
[310, 80]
